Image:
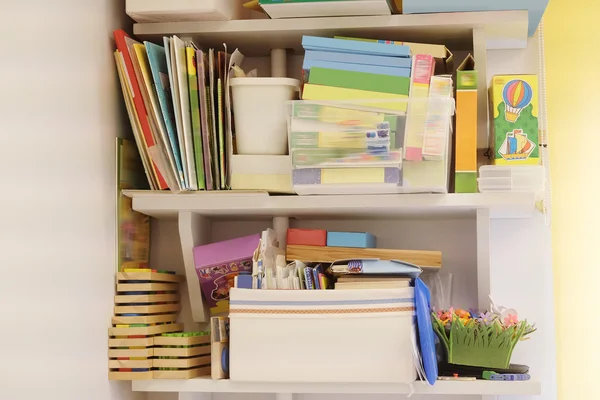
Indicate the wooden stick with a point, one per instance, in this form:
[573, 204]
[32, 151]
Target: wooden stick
[134, 353]
[147, 287]
[146, 298]
[185, 374]
[145, 330]
[152, 309]
[424, 259]
[181, 362]
[130, 363]
[181, 352]
[181, 341]
[149, 276]
[144, 319]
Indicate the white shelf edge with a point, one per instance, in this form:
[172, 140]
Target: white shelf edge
[503, 29]
[207, 385]
[161, 204]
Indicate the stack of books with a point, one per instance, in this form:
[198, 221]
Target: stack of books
[178, 103]
[360, 281]
[347, 69]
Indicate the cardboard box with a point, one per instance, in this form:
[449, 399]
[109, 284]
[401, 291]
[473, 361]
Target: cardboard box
[514, 101]
[465, 175]
[361, 240]
[307, 237]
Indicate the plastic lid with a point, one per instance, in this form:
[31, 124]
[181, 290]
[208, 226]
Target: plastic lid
[264, 82]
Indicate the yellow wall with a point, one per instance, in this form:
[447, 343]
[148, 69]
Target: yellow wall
[572, 43]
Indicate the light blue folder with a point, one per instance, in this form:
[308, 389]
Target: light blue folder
[354, 46]
[370, 69]
[365, 59]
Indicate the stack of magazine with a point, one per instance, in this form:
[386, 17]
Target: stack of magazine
[178, 102]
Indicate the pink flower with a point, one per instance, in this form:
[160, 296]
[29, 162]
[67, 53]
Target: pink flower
[510, 320]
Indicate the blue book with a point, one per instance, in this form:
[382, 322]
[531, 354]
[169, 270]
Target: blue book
[369, 69]
[160, 75]
[398, 62]
[375, 267]
[354, 46]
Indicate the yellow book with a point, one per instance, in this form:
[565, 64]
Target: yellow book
[352, 175]
[397, 102]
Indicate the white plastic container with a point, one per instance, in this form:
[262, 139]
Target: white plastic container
[518, 178]
[260, 107]
[322, 335]
[185, 10]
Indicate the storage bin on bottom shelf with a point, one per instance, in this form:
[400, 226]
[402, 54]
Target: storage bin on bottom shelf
[355, 147]
[322, 335]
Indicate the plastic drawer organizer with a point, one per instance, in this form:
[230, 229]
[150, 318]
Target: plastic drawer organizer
[340, 147]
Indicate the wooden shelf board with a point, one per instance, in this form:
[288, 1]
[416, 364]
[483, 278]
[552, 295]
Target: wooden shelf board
[164, 204]
[503, 29]
[425, 259]
[207, 385]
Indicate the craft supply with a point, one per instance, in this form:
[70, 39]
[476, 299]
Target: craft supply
[307, 237]
[350, 239]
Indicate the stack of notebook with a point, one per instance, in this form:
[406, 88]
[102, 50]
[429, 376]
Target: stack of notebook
[348, 69]
[177, 99]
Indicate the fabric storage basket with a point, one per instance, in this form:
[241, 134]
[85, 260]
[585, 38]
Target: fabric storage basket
[322, 335]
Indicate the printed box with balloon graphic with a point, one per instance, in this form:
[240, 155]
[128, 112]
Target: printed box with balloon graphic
[515, 110]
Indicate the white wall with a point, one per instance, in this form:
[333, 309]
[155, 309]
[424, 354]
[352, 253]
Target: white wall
[60, 110]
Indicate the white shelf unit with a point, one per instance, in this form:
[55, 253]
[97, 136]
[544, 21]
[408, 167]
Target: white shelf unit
[492, 243]
[204, 385]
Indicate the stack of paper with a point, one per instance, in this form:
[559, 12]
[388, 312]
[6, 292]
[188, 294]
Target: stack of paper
[178, 101]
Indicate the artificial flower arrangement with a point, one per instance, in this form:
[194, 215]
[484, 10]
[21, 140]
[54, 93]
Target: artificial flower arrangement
[480, 339]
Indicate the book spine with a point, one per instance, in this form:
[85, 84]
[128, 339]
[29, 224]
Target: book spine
[359, 81]
[307, 65]
[364, 59]
[423, 66]
[195, 114]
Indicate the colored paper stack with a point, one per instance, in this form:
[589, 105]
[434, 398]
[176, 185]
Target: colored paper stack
[146, 306]
[348, 69]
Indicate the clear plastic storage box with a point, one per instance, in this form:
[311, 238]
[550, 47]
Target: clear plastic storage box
[518, 178]
[358, 147]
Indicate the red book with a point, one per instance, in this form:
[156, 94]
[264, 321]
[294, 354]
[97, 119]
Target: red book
[307, 237]
[138, 101]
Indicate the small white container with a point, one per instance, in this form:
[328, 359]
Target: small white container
[260, 107]
[518, 178]
[322, 335]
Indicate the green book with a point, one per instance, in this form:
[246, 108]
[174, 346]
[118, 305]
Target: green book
[195, 114]
[360, 81]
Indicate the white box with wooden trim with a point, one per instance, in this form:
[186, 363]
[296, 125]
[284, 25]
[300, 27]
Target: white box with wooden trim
[331, 335]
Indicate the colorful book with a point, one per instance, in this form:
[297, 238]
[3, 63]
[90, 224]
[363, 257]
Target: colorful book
[222, 170]
[178, 57]
[363, 59]
[465, 178]
[444, 59]
[440, 109]
[134, 120]
[190, 53]
[423, 67]
[396, 102]
[353, 46]
[217, 264]
[138, 102]
[160, 152]
[308, 65]
[359, 80]
[160, 74]
[204, 117]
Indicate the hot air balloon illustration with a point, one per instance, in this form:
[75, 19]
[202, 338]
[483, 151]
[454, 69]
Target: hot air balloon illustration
[517, 95]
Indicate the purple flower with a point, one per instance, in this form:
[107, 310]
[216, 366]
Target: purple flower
[486, 318]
